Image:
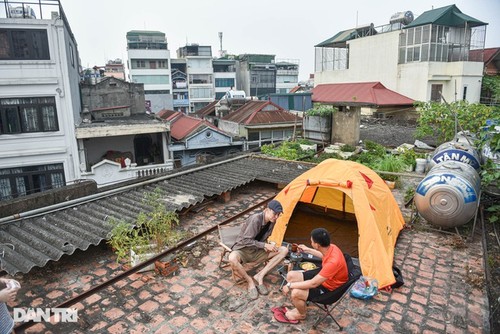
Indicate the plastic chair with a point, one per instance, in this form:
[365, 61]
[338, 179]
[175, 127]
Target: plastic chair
[329, 301]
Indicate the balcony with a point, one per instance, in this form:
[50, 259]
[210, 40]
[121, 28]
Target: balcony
[108, 172]
[181, 103]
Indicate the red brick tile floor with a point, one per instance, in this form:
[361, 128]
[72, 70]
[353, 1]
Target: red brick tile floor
[438, 296]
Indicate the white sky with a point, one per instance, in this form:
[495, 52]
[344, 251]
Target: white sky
[288, 29]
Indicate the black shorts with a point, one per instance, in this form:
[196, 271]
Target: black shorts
[314, 293]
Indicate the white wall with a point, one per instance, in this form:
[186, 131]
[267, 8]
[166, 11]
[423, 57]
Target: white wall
[35, 78]
[373, 58]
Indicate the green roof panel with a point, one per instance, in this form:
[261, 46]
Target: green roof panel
[449, 16]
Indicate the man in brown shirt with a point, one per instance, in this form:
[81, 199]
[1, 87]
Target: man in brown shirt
[251, 246]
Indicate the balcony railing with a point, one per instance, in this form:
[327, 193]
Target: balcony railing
[108, 172]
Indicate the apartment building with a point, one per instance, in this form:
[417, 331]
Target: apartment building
[39, 100]
[149, 63]
[256, 74]
[287, 75]
[200, 76]
[224, 76]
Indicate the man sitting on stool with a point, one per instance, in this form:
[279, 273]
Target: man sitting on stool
[309, 285]
[251, 246]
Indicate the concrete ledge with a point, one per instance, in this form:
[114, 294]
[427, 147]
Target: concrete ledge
[46, 198]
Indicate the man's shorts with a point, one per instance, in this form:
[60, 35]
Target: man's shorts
[252, 254]
[314, 293]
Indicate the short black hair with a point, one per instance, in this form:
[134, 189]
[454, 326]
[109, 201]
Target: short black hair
[321, 237]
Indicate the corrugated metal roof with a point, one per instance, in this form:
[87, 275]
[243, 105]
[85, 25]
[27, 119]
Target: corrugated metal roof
[260, 112]
[209, 109]
[360, 93]
[32, 242]
[182, 125]
[449, 16]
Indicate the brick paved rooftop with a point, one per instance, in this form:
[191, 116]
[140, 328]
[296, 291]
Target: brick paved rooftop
[443, 291]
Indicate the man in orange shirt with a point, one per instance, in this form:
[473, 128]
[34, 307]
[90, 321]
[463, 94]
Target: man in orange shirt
[309, 285]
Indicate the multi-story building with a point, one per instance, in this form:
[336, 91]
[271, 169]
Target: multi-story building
[200, 75]
[224, 76]
[149, 63]
[179, 85]
[115, 128]
[256, 74]
[39, 100]
[287, 75]
[425, 59]
[115, 69]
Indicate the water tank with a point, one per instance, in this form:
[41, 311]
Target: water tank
[402, 17]
[448, 195]
[456, 151]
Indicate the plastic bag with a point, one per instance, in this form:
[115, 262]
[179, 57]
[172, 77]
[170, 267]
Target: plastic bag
[364, 288]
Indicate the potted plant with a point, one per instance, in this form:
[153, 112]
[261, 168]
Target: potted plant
[150, 234]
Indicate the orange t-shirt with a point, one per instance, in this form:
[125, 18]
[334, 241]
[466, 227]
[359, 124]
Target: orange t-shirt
[334, 268]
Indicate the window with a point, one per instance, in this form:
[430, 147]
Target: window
[201, 93]
[16, 182]
[152, 64]
[136, 63]
[464, 96]
[162, 64]
[71, 55]
[200, 79]
[224, 82]
[152, 79]
[29, 44]
[436, 92]
[32, 114]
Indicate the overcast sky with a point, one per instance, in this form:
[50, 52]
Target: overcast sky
[288, 29]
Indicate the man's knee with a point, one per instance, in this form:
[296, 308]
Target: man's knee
[294, 276]
[283, 251]
[234, 259]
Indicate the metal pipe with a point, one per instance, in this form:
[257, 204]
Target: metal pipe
[141, 265]
[91, 198]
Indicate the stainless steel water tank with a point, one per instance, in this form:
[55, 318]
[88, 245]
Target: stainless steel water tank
[448, 195]
[456, 151]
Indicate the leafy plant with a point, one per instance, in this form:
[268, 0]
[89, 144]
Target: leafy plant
[287, 150]
[390, 163]
[321, 110]
[438, 119]
[152, 231]
[373, 153]
[347, 148]
[409, 193]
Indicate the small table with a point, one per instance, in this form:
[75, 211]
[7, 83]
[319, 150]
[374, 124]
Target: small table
[292, 262]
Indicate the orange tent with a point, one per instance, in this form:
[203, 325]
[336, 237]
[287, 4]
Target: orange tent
[349, 187]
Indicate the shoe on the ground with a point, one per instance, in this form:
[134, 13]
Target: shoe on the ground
[262, 289]
[253, 293]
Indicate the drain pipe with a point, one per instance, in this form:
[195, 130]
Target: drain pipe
[91, 198]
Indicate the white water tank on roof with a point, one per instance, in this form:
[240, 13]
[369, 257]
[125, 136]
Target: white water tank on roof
[404, 18]
[448, 195]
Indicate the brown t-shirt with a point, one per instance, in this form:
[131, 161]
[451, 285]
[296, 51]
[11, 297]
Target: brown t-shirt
[250, 230]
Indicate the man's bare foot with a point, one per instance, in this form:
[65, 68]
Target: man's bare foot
[295, 315]
[258, 279]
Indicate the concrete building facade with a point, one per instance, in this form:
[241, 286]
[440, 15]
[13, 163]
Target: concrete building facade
[39, 102]
[149, 63]
[200, 75]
